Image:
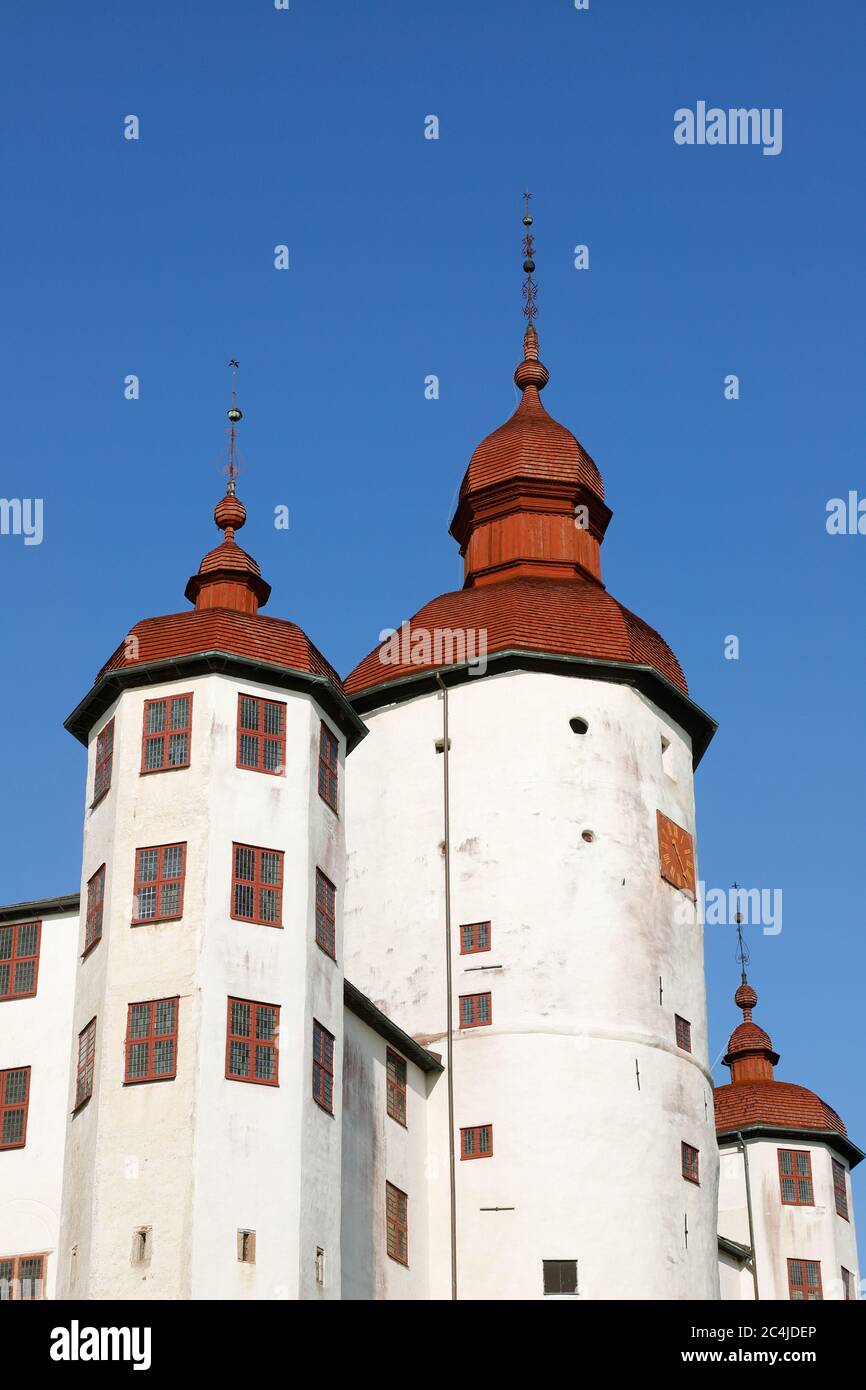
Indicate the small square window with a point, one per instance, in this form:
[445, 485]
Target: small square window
[684, 1033]
[328, 767]
[395, 1079]
[691, 1159]
[474, 937]
[93, 915]
[86, 1062]
[804, 1281]
[323, 1067]
[22, 1278]
[252, 1033]
[840, 1189]
[261, 735]
[257, 885]
[476, 1142]
[795, 1177]
[326, 914]
[167, 733]
[560, 1276]
[151, 1041]
[476, 1010]
[104, 761]
[159, 879]
[14, 1107]
[19, 960]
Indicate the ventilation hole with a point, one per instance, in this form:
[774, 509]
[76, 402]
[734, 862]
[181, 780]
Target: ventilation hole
[440, 745]
[578, 726]
[589, 836]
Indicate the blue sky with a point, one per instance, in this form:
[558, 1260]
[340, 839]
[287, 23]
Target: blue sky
[155, 257]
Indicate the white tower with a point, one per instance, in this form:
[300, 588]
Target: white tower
[203, 1147]
[584, 1149]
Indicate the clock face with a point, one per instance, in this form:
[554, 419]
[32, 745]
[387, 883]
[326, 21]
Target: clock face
[676, 855]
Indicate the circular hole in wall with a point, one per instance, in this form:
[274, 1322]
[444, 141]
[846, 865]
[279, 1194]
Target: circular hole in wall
[578, 726]
[589, 836]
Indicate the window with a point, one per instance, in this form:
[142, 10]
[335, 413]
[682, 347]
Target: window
[397, 1223]
[691, 1163]
[19, 960]
[159, 876]
[151, 1041]
[395, 1081]
[560, 1276]
[476, 1142]
[474, 937]
[323, 1067]
[257, 885]
[261, 735]
[795, 1177]
[578, 725]
[475, 1010]
[684, 1033]
[840, 1188]
[84, 1071]
[847, 1284]
[326, 914]
[247, 1247]
[804, 1280]
[328, 767]
[104, 761]
[21, 1277]
[320, 1267]
[166, 735]
[14, 1104]
[95, 899]
[252, 1032]
[142, 1245]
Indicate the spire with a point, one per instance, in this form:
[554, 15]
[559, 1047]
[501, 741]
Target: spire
[750, 1054]
[228, 577]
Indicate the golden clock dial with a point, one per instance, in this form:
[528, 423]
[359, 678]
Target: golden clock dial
[676, 854]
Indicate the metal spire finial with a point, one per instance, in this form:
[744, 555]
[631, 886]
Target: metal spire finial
[530, 289]
[235, 415]
[742, 949]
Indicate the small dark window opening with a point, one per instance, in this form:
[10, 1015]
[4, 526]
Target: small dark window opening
[440, 745]
[141, 1245]
[578, 726]
[247, 1247]
[560, 1276]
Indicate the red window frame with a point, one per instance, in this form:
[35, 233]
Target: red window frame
[104, 762]
[397, 1224]
[160, 739]
[261, 1038]
[150, 1030]
[14, 1279]
[265, 894]
[395, 1086]
[476, 1141]
[94, 910]
[847, 1284]
[796, 1188]
[804, 1281]
[85, 1065]
[17, 951]
[691, 1162]
[163, 880]
[476, 1008]
[268, 745]
[840, 1189]
[684, 1032]
[475, 937]
[329, 767]
[326, 914]
[11, 1102]
[323, 1067]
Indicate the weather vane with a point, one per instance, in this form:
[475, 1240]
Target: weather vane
[235, 415]
[742, 949]
[530, 289]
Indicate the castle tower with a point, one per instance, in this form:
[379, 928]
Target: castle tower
[786, 1215]
[584, 1151]
[203, 1144]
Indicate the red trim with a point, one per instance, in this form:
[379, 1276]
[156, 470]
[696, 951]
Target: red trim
[17, 952]
[479, 1012]
[395, 1086]
[257, 1038]
[153, 1024]
[257, 883]
[475, 937]
[323, 1067]
[840, 1189]
[397, 1224]
[804, 1281]
[684, 1032]
[795, 1178]
[326, 914]
[261, 735]
[166, 733]
[472, 1141]
[329, 767]
[691, 1162]
[85, 1065]
[14, 1100]
[18, 1272]
[104, 761]
[155, 881]
[95, 905]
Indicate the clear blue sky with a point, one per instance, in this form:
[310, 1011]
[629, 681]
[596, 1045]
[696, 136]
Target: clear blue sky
[306, 128]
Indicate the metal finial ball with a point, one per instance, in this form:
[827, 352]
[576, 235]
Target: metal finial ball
[527, 221]
[528, 266]
[234, 414]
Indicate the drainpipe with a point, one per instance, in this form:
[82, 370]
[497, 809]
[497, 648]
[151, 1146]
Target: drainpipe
[745, 1152]
[449, 989]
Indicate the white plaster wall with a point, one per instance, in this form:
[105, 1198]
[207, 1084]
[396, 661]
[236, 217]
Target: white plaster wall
[35, 1033]
[581, 934]
[199, 1157]
[377, 1149]
[784, 1232]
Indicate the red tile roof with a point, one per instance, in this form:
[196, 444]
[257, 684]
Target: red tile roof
[573, 617]
[773, 1103]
